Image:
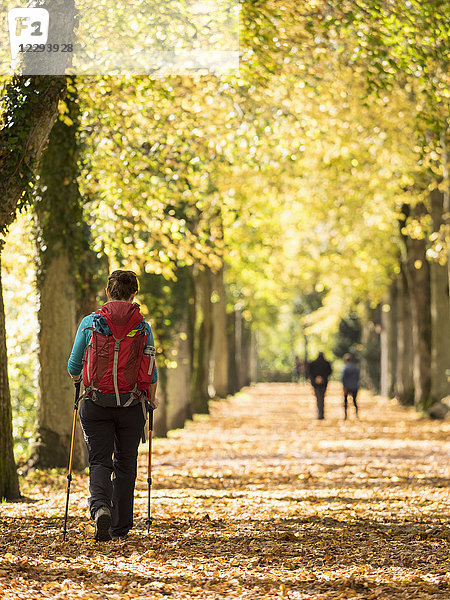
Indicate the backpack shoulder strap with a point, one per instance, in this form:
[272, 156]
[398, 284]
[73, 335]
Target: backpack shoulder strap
[115, 367]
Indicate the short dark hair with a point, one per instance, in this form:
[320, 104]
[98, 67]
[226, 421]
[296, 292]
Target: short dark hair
[122, 285]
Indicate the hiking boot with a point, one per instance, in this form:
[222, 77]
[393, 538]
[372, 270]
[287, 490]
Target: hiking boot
[102, 524]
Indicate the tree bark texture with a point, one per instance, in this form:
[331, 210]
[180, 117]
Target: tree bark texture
[388, 339]
[63, 247]
[392, 335]
[418, 273]
[370, 354]
[56, 317]
[178, 384]
[220, 342]
[233, 370]
[29, 110]
[160, 414]
[244, 365]
[27, 125]
[203, 342]
[384, 354]
[404, 389]
[9, 481]
[253, 358]
[92, 277]
[440, 311]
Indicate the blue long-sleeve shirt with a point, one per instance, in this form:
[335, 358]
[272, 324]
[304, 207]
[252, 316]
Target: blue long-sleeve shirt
[82, 339]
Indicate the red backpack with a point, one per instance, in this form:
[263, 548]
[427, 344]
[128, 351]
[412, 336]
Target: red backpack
[118, 363]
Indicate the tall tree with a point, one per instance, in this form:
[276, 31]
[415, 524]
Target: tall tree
[203, 341]
[28, 111]
[440, 313]
[219, 341]
[9, 483]
[404, 382]
[417, 271]
[167, 305]
[61, 252]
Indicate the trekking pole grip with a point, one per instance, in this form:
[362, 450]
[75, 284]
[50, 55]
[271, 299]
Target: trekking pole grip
[77, 394]
[150, 417]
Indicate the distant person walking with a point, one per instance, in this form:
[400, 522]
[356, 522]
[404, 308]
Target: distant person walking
[297, 370]
[319, 372]
[350, 382]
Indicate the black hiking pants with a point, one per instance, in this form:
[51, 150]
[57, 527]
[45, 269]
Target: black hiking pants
[112, 437]
[353, 394]
[319, 391]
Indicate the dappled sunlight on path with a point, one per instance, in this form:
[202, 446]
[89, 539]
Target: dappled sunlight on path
[257, 500]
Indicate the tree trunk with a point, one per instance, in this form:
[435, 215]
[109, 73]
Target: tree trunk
[233, 377]
[203, 342]
[160, 414]
[238, 347]
[22, 143]
[92, 276]
[178, 384]
[388, 341]
[384, 354]
[392, 340]
[26, 127]
[63, 245]
[9, 481]
[440, 314]
[418, 274]
[220, 342]
[446, 194]
[404, 380]
[56, 317]
[370, 354]
[254, 358]
[192, 312]
[244, 367]
[23, 135]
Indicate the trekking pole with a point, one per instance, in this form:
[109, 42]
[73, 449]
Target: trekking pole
[72, 443]
[149, 471]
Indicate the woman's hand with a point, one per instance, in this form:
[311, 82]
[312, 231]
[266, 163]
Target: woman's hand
[76, 378]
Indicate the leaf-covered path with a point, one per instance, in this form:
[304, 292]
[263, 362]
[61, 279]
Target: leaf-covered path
[258, 500]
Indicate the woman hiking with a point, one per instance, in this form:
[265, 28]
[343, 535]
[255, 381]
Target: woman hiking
[114, 354]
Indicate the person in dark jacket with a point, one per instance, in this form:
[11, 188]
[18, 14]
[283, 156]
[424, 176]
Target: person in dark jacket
[319, 372]
[350, 382]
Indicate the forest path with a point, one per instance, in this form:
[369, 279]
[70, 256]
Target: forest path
[258, 500]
